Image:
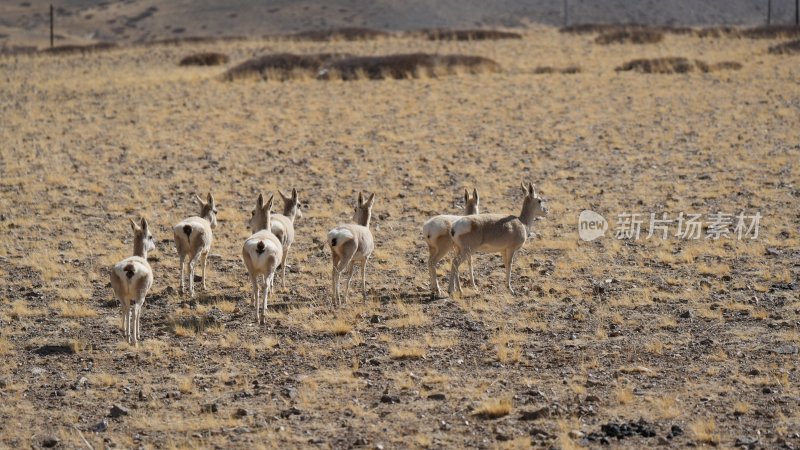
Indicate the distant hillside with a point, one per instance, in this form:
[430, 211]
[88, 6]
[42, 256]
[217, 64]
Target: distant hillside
[138, 20]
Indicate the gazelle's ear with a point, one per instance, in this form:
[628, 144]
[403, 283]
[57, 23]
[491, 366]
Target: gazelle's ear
[144, 225]
[268, 206]
[360, 199]
[260, 201]
[524, 189]
[466, 195]
[371, 201]
[133, 225]
[475, 194]
[532, 188]
[199, 200]
[211, 199]
[283, 197]
[294, 194]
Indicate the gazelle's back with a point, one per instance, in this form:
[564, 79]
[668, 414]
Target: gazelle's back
[283, 228]
[489, 231]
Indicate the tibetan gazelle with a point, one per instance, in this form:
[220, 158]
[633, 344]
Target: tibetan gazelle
[193, 238]
[436, 232]
[504, 234]
[283, 226]
[131, 278]
[262, 253]
[352, 244]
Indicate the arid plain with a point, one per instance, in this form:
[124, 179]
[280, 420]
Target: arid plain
[693, 340]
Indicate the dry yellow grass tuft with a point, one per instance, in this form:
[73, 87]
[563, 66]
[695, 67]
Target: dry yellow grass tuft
[5, 346]
[410, 316]
[494, 408]
[408, 350]
[705, 431]
[75, 310]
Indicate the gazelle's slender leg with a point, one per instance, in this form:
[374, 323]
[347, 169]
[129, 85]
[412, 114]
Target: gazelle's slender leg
[472, 273]
[508, 259]
[350, 272]
[364, 279]
[183, 287]
[283, 263]
[203, 261]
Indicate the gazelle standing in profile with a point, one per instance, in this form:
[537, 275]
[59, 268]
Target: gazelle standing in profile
[495, 233]
[131, 278]
[436, 232]
[352, 244]
[283, 226]
[262, 252]
[193, 238]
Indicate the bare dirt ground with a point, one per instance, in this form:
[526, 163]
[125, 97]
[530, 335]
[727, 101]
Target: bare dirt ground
[694, 341]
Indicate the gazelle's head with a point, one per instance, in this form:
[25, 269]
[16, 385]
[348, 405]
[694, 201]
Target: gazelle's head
[208, 209]
[291, 204]
[471, 204]
[363, 210]
[532, 205]
[143, 240]
[260, 218]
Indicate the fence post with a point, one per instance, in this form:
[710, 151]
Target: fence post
[51, 25]
[769, 12]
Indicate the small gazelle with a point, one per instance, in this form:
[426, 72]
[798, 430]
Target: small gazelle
[352, 244]
[131, 278]
[504, 234]
[262, 252]
[283, 226]
[436, 232]
[193, 238]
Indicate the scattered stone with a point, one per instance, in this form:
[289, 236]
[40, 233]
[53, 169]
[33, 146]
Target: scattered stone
[539, 433]
[50, 442]
[117, 411]
[676, 430]
[289, 391]
[623, 430]
[80, 384]
[687, 314]
[576, 434]
[437, 397]
[241, 412]
[390, 399]
[210, 408]
[100, 427]
[772, 251]
[766, 390]
[286, 413]
[747, 442]
[541, 413]
[787, 349]
[375, 319]
[592, 399]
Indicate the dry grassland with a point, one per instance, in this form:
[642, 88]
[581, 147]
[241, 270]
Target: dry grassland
[702, 335]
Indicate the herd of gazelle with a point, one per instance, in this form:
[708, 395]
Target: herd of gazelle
[351, 245]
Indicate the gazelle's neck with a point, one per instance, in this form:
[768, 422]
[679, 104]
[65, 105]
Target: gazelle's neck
[139, 248]
[527, 216]
[290, 212]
